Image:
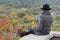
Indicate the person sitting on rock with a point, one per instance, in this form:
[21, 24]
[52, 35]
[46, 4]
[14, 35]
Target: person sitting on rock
[44, 27]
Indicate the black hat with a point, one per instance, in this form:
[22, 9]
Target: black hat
[46, 7]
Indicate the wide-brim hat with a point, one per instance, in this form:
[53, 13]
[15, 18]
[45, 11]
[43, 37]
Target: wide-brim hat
[46, 7]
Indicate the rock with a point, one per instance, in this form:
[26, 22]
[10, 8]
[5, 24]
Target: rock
[57, 34]
[36, 37]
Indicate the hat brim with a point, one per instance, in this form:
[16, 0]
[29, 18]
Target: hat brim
[46, 9]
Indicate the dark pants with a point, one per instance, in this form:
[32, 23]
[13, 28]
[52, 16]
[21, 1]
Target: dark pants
[26, 33]
[32, 32]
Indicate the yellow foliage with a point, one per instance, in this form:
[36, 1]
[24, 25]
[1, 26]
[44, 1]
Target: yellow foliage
[34, 23]
[57, 29]
[58, 21]
[29, 17]
[2, 36]
[11, 28]
[26, 16]
[57, 25]
[15, 21]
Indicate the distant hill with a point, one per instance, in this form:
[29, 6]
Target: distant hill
[31, 1]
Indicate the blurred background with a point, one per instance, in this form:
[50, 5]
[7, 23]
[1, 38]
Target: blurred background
[15, 14]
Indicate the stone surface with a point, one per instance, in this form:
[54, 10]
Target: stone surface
[57, 34]
[41, 37]
[36, 37]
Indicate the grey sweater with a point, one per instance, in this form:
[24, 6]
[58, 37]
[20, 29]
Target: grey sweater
[44, 27]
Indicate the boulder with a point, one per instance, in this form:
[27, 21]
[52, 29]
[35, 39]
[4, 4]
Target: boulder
[38, 37]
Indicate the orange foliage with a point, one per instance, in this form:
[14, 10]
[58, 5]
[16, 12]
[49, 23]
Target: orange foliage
[8, 27]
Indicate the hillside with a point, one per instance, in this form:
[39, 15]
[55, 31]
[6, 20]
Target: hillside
[34, 4]
[31, 1]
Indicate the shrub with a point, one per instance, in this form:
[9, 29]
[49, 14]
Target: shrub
[21, 14]
[58, 17]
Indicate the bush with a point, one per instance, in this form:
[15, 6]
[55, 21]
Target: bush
[58, 21]
[57, 27]
[26, 21]
[21, 15]
[57, 18]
